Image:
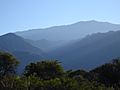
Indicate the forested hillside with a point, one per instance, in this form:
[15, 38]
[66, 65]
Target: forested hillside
[50, 75]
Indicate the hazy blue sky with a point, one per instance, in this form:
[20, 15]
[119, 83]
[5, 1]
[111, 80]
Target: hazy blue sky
[16, 15]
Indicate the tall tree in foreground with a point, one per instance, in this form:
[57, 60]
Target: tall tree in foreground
[8, 64]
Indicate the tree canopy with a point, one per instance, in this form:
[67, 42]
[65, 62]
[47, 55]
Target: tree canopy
[45, 69]
[50, 75]
[8, 63]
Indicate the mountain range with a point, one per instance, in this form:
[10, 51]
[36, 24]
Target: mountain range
[21, 49]
[91, 51]
[69, 32]
[85, 44]
[53, 37]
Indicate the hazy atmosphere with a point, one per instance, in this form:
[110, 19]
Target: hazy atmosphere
[59, 45]
[17, 15]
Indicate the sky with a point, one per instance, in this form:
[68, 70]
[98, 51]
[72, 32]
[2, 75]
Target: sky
[20, 15]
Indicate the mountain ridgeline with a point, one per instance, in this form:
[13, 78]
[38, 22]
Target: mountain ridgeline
[51, 38]
[76, 45]
[69, 32]
[91, 51]
[21, 49]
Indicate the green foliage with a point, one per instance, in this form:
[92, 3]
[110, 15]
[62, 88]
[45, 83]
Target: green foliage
[108, 74]
[45, 69]
[59, 84]
[77, 73]
[49, 75]
[8, 64]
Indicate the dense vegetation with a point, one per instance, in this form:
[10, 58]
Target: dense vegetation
[50, 75]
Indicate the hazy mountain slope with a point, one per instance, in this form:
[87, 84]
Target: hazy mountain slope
[12, 42]
[23, 51]
[91, 51]
[47, 45]
[69, 32]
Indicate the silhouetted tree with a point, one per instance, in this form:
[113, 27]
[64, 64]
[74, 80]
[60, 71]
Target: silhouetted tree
[45, 69]
[8, 64]
[108, 74]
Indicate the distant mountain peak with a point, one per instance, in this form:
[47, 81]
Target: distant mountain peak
[69, 32]
[93, 21]
[9, 35]
[11, 42]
